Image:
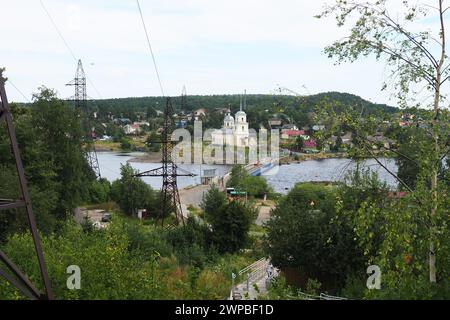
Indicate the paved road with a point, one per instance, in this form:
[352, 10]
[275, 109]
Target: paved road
[193, 196]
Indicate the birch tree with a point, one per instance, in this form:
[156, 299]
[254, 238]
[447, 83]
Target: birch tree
[419, 71]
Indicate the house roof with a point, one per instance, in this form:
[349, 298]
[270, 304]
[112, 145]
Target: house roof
[309, 144]
[132, 126]
[275, 121]
[318, 127]
[294, 133]
[397, 195]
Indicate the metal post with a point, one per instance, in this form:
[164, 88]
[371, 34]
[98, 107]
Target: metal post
[22, 283]
[248, 282]
[233, 276]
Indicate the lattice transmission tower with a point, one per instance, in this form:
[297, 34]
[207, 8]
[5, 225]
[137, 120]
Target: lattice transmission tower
[80, 99]
[170, 197]
[12, 273]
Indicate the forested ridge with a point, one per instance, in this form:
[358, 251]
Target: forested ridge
[257, 101]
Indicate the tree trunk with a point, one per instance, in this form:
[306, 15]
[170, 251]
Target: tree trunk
[434, 179]
[435, 159]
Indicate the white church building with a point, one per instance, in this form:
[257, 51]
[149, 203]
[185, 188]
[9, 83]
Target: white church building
[234, 131]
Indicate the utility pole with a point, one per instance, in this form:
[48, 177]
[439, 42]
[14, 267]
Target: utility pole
[184, 107]
[13, 274]
[81, 105]
[170, 197]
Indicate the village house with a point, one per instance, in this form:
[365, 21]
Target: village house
[380, 141]
[318, 127]
[122, 121]
[347, 139]
[289, 127]
[199, 114]
[292, 134]
[222, 110]
[131, 129]
[403, 124]
[182, 124]
[275, 123]
[143, 123]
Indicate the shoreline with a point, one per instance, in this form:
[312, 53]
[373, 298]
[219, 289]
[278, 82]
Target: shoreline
[311, 156]
[148, 157]
[156, 157]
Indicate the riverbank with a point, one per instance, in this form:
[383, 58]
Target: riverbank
[148, 157]
[300, 157]
[155, 157]
[102, 146]
[134, 144]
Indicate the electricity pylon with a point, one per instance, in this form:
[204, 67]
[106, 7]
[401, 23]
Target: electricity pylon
[170, 197]
[13, 274]
[80, 99]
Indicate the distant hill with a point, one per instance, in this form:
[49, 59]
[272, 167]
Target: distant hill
[259, 102]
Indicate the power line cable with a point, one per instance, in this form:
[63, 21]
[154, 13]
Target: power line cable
[18, 90]
[55, 26]
[150, 48]
[57, 30]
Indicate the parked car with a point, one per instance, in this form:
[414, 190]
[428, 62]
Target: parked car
[106, 217]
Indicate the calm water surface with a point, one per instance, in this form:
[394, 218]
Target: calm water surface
[110, 163]
[281, 179]
[284, 178]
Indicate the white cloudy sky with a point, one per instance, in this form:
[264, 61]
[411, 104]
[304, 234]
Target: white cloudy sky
[211, 46]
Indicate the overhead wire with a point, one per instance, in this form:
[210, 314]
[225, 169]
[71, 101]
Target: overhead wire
[66, 44]
[150, 48]
[18, 90]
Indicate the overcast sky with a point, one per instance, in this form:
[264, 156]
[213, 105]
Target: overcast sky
[210, 46]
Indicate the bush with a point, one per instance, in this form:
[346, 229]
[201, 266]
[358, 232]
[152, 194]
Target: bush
[125, 144]
[231, 224]
[125, 261]
[131, 193]
[213, 200]
[100, 191]
[256, 186]
[305, 234]
[192, 243]
[242, 181]
[107, 269]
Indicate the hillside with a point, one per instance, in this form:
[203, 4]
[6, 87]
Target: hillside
[260, 102]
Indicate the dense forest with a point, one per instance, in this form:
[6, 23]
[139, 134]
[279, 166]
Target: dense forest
[128, 107]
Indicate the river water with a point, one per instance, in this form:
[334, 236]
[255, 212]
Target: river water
[281, 179]
[110, 163]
